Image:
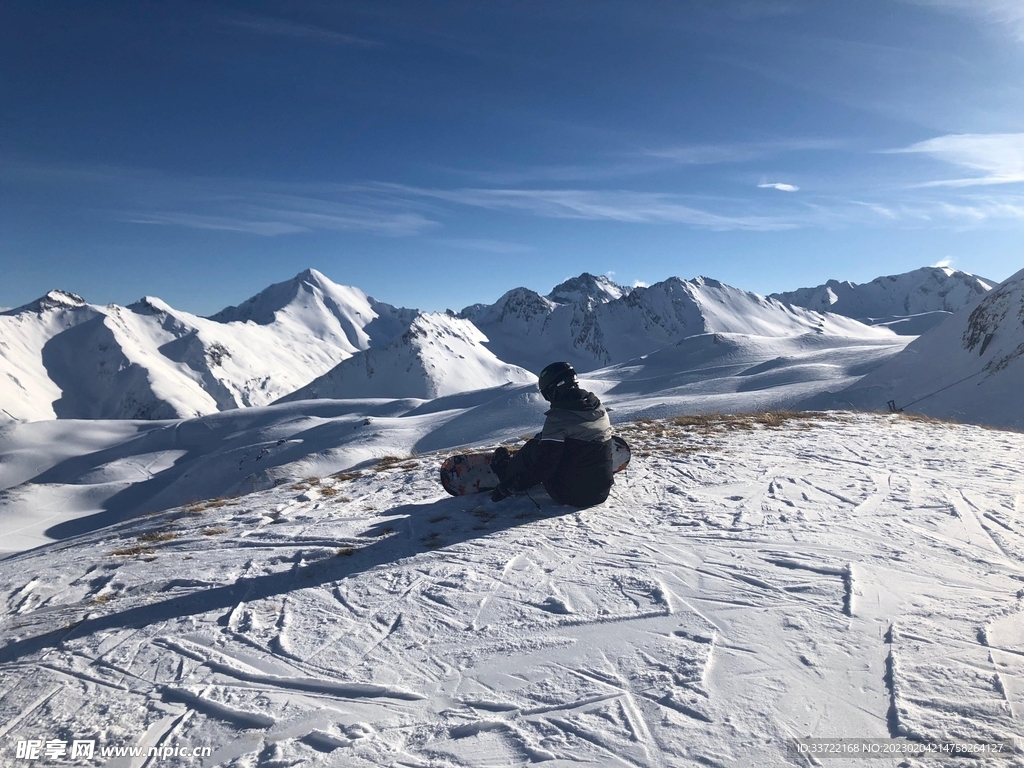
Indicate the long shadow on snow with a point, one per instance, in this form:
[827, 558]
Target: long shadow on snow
[464, 518]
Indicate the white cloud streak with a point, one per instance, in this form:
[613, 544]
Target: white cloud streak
[222, 223]
[485, 245]
[605, 205]
[999, 156]
[270, 215]
[710, 154]
[649, 161]
[266, 25]
[779, 186]
[1008, 14]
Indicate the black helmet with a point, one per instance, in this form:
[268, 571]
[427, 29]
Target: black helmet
[555, 376]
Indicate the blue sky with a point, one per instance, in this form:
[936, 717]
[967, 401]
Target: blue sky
[437, 154]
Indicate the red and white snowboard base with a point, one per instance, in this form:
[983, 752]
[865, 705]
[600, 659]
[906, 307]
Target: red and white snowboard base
[471, 472]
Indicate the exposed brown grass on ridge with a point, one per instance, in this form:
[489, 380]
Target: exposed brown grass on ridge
[201, 506]
[216, 531]
[695, 433]
[154, 536]
[137, 549]
[922, 418]
[346, 476]
[745, 421]
[396, 462]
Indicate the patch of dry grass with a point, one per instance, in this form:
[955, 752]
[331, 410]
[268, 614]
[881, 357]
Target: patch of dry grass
[155, 536]
[744, 421]
[132, 551]
[306, 483]
[697, 433]
[922, 418]
[216, 531]
[397, 462]
[346, 552]
[345, 476]
[201, 506]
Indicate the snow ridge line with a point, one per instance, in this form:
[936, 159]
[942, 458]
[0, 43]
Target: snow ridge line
[239, 717]
[310, 684]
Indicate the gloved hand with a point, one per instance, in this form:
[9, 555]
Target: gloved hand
[501, 492]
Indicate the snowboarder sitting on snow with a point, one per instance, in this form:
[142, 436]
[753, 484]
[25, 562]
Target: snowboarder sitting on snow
[572, 456]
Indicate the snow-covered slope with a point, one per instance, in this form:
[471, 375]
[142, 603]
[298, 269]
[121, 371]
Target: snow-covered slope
[531, 330]
[437, 355]
[26, 389]
[62, 357]
[851, 577]
[66, 476]
[969, 368]
[738, 373]
[929, 294]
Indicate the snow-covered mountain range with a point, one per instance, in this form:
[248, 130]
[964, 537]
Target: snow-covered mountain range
[62, 357]
[909, 303]
[604, 324]
[970, 368]
[309, 337]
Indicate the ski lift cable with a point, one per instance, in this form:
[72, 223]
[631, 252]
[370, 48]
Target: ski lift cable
[961, 381]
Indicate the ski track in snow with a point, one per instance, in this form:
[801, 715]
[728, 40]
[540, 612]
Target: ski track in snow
[858, 576]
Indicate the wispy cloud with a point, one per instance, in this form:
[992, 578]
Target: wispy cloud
[485, 245]
[964, 211]
[223, 223]
[649, 161]
[267, 25]
[1008, 14]
[603, 205]
[999, 156]
[779, 186]
[270, 214]
[708, 154]
[943, 263]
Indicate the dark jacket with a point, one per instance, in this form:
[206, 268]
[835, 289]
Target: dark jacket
[572, 456]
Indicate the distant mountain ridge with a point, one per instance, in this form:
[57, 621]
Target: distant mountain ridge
[66, 358]
[929, 289]
[969, 368]
[609, 326]
[61, 357]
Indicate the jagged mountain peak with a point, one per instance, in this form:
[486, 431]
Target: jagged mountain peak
[520, 303]
[55, 299]
[262, 308]
[597, 288]
[151, 305]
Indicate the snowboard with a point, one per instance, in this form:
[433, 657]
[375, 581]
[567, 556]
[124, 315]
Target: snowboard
[471, 472]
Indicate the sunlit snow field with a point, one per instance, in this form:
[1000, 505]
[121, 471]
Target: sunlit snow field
[748, 581]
